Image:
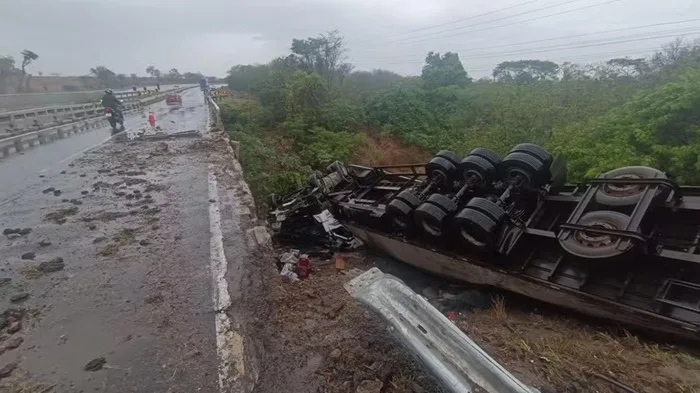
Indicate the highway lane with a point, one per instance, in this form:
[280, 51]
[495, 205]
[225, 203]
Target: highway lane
[17, 170]
[146, 231]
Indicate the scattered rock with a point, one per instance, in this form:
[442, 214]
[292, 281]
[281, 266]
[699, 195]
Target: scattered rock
[8, 231]
[29, 256]
[155, 227]
[48, 190]
[212, 200]
[42, 176]
[60, 214]
[83, 175]
[44, 243]
[7, 370]
[144, 242]
[51, 266]
[14, 327]
[130, 196]
[135, 173]
[120, 193]
[335, 353]
[99, 239]
[76, 202]
[147, 196]
[56, 192]
[63, 172]
[64, 200]
[14, 342]
[92, 227]
[20, 297]
[95, 364]
[154, 299]
[5, 281]
[104, 170]
[85, 192]
[25, 231]
[368, 386]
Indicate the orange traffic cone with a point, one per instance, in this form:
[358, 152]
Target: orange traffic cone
[152, 119]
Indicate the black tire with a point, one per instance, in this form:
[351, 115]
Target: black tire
[487, 207]
[536, 151]
[625, 195]
[431, 219]
[399, 213]
[523, 169]
[473, 165]
[314, 181]
[446, 204]
[486, 154]
[410, 198]
[440, 170]
[477, 229]
[594, 246]
[450, 156]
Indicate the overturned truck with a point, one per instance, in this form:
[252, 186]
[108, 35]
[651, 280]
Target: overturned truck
[623, 246]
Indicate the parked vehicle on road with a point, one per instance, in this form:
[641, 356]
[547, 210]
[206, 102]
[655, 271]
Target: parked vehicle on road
[622, 246]
[173, 99]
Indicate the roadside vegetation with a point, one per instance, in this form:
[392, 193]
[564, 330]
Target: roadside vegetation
[300, 112]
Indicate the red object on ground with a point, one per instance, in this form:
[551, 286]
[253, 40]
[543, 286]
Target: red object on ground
[451, 315]
[303, 267]
[152, 119]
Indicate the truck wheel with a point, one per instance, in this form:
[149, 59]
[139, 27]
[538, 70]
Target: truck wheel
[477, 167]
[399, 213]
[627, 194]
[595, 246]
[431, 219]
[521, 169]
[487, 207]
[440, 170]
[443, 202]
[450, 156]
[477, 229]
[409, 197]
[486, 154]
[536, 151]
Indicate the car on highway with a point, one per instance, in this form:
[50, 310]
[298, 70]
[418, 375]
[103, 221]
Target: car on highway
[173, 99]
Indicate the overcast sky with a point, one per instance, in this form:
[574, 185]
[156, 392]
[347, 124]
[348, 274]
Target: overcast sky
[210, 36]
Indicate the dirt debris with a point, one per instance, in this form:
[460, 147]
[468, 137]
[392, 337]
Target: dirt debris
[7, 370]
[59, 216]
[95, 364]
[51, 266]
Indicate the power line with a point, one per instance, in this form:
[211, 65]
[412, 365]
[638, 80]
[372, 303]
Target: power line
[507, 24]
[473, 55]
[463, 19]
[574, 36]
[549, 49]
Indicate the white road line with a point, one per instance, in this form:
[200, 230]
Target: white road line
[229, 344]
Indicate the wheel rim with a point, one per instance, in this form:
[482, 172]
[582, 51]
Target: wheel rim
[431, 228]
[594, 240]
[471, 239]
[623, 190]
[401, 221]
[518, 177]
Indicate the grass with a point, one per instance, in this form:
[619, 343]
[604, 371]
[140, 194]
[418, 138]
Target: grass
[563, 354]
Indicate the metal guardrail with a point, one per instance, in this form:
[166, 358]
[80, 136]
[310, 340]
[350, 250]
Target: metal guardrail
[26, 120]
[456, 361]
[88, 116]
[216, 112]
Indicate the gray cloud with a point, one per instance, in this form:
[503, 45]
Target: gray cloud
[211, 35]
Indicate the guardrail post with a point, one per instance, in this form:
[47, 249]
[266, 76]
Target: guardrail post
[6, 151]
[42, 139]
[36, 124]
[19, 145]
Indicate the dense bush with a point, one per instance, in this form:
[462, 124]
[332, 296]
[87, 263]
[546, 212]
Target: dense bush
[308, 109]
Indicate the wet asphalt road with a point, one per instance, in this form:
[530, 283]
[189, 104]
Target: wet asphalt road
[131, 224]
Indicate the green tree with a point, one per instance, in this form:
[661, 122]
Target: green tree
[104, 76]
[526, 71]
[444, 70]
[324, 54]
[304, 96]
[7, 70]
[27, 58]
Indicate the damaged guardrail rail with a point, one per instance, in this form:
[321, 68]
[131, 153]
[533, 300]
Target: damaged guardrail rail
[456, 361]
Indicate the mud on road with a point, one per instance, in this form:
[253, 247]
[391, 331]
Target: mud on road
[106, 281]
